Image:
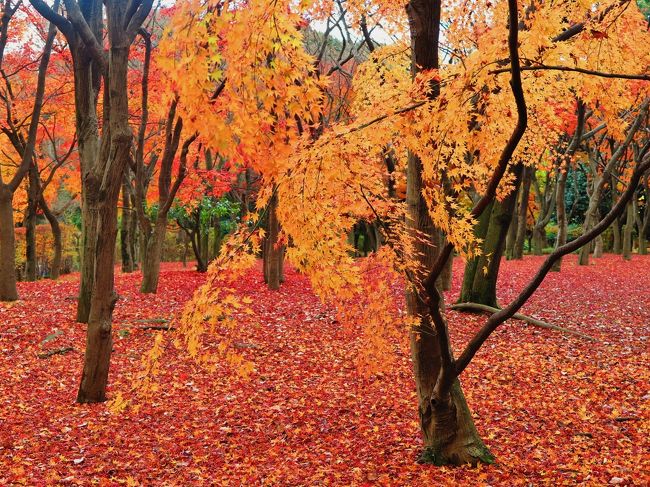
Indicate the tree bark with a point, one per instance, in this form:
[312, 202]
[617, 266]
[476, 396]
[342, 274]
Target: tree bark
[153, 257]
[273, 252]
[8, 289]
[628, 228]
[518, 251]
[33, 190]
[128, 264]
[55, 270]
[480, 283]
[447, 428]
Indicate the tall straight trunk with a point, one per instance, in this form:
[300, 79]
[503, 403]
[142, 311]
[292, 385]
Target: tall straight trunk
[522, 210]
[33, 190]
[8, 289]
[153, 256]
[55, 270]
[627, 232]
[447, 428]
[273, 252]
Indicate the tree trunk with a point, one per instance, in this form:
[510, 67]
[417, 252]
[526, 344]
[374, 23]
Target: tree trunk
[539, 240]
[273, 253]
[33, 191]
[447, 429]
[8, 290]
[481, 287]
[107, 182]
[55, 270]
[125, 230]
[628, 228]
[153, 256]
[560, 209]
[518, 252]
[448, 274]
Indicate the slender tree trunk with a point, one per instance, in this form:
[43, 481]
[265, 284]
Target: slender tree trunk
[512, 234]
[560, 209]
[616, 234]
[107, 181]
[447, 428]
[8, 289]
[522, 210]
[33, 190]
[273, 253]
[55, 270]
[125, 230]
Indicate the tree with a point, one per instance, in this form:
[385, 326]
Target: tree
[25, 146]
[102, 162]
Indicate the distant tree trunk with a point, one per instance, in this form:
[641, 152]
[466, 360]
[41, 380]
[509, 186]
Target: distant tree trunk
[55, 270]
[598, 242]
[512, 234]
[153, 257]
[33, 190]
[627, 232]
[539, 240]
[518, 251]
[447, 427]
[273, 252]
[616, 234]
[8, 289]
[128, 264]
[480, 286]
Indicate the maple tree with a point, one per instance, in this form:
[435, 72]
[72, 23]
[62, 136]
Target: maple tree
[424, 135]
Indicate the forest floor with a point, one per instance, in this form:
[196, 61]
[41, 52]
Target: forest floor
[554, 409]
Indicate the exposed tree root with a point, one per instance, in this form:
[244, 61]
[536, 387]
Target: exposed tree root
[518, 316]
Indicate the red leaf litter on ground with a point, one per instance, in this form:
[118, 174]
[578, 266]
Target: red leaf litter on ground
[555, 409]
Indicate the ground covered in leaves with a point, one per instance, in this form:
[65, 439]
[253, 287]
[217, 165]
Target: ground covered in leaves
[554, 409]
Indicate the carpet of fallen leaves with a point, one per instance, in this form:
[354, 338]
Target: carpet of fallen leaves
[554, 409]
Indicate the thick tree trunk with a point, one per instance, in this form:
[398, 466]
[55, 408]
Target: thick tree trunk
[447, 429]
[153, 257]
[627, 232]
[539, 240]
[8, 290]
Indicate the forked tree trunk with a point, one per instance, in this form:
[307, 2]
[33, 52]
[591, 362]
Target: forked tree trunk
[107, 182]
[447, 429]
[480, 281]
[8, 289]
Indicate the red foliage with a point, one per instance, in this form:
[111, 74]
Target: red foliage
[553, 408]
